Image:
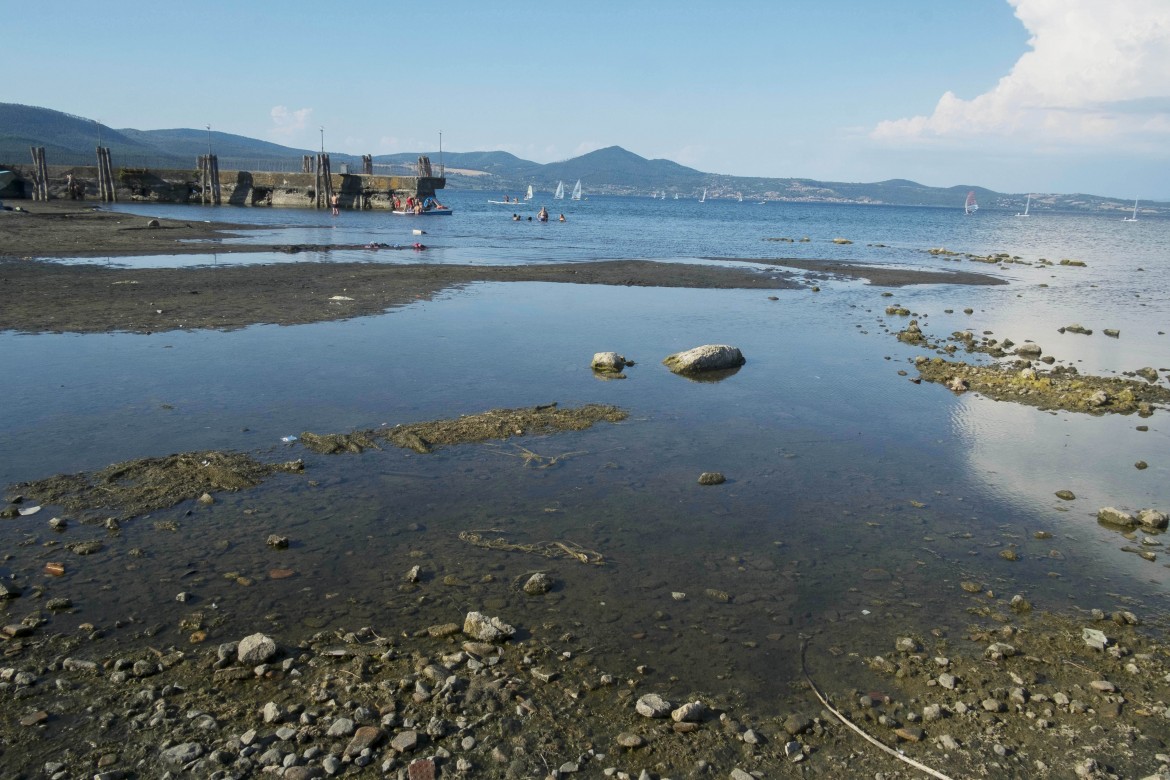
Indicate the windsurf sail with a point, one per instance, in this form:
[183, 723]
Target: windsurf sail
[970, 207]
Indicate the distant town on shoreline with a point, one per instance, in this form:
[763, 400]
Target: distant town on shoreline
[72, 140]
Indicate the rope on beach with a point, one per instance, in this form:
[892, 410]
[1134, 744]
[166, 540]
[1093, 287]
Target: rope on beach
[564, 549]
[896, 754]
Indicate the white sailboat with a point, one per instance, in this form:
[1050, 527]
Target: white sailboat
[528, 196]
[1027, 206]
[676, 196]
[560, 193]
[576, 191]
[970, 207]
[1134, 217]
[703, 197]
[739, 195]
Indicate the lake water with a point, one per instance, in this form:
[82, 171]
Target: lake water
[856, 501]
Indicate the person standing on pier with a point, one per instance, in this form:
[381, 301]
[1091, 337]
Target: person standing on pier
[334, 202]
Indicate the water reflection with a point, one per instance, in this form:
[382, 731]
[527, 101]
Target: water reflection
[856, 501]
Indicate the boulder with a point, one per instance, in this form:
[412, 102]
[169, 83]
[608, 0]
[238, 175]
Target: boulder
[1152, 518]
[709, 357]
[1112, 516]
[1029, 349]
[609, 362]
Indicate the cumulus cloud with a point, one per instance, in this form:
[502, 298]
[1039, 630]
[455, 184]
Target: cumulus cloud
[287, 123]
[1096, 72]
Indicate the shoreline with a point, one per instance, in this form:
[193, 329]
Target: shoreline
[43, 296]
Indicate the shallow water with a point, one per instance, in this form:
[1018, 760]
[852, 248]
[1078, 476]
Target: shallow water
[856, 501]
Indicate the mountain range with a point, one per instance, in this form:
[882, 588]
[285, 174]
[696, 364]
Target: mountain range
[71, 140]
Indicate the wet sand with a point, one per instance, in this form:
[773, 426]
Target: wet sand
[45, 296]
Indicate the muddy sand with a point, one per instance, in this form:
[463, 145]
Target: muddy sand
[45, 296]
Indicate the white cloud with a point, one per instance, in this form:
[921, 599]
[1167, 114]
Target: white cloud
[1097, 71]
[288, 123]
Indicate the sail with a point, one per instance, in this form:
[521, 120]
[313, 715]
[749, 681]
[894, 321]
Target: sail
[703, 197]
[577, 190]
[529, 195]
[560, 194]
[970, 207]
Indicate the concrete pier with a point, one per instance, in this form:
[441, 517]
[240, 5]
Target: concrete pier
[238, 188]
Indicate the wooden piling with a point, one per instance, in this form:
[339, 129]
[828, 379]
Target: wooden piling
[40, 173]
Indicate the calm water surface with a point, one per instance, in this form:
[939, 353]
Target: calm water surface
[856, 501]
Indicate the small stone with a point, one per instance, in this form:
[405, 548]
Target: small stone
[911, 733]
[711, 478]
[691, 712]
[206, 499]
[342, 727]
[630, 740]
[993, 705]
[479, 626]
[907, 644]
[538, 584]
[1066, 495]
[367, 737]
[1103, 686]
[948, 742]
[753, 737]
[256, 649]
[405, 741]
[277, 542]
[653, 706]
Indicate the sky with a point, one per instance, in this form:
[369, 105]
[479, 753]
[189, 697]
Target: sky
[1020, 96]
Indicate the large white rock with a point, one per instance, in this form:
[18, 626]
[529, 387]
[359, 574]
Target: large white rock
[479, 626]
[256, 649]
[709, 357]
[653, 706]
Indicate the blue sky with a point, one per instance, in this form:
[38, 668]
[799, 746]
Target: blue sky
[1014, 95]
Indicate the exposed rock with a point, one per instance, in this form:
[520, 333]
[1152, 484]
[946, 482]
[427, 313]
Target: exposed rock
[365, 738]
[711, 478]
[1029, 350]
[479, 626]
[1112, 516]
[691, 712]
[256, 649]
[277, 542]
[405, 741]
[709, 357]
[1152, 518]
[609, 362]
[653, 706]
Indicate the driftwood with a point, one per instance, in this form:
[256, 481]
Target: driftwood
[919, 766]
